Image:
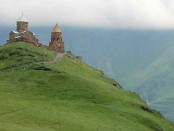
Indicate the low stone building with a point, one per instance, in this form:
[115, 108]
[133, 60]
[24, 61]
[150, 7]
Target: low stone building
[22, 33]
[57, 43]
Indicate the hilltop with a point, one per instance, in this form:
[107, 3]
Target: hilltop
[40, 94]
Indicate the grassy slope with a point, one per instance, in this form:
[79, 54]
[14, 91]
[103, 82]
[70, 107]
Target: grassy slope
[39, 95]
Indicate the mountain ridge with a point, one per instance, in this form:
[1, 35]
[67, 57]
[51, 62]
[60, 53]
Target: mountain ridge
[156, 83]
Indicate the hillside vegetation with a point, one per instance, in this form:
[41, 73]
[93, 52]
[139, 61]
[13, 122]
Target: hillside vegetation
[40, 94]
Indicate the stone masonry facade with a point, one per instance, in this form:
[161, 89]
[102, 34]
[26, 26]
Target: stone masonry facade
[57, 43]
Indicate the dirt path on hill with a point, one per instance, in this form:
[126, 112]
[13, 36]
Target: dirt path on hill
[58, 57]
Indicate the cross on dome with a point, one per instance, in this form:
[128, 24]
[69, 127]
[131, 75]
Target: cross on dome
[22, 19]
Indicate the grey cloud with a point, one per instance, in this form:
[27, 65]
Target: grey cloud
[135, 14]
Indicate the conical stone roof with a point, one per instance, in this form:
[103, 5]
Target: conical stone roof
[56, 29]
[22, 19]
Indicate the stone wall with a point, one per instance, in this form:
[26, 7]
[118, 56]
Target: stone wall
[27, 37]
[56, 36]
[57, 46]
[22, 26]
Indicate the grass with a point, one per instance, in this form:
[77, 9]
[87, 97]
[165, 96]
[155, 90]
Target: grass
[18, 54]
[68, 95]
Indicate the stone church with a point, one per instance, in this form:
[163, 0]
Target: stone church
[24, 35]
[57, 43]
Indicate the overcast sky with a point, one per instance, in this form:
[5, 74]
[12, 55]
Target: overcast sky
[135, 14]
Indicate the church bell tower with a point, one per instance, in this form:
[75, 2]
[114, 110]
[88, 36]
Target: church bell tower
[57, 43]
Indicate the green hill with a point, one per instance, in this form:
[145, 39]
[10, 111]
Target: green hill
[38, 93]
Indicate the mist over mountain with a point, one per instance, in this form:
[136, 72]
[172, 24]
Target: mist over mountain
[122, 54]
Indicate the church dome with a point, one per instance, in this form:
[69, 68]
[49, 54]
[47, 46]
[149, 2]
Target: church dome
[56, 29]
[22, 19]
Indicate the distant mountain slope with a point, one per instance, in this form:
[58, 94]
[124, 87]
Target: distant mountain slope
[156, 83]
[40, 94]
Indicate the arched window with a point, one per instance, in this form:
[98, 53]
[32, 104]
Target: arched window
[57, 39]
